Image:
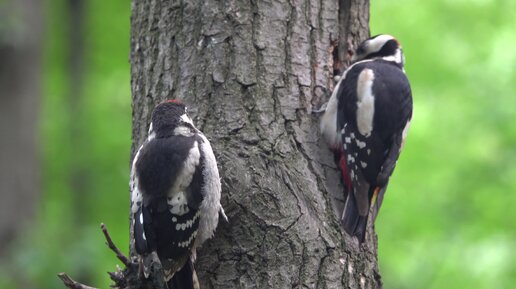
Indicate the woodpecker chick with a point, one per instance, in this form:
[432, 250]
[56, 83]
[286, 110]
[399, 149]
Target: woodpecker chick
[175, 194]
[365, 123]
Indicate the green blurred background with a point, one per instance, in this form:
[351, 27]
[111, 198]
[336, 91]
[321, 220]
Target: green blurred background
[448, 220]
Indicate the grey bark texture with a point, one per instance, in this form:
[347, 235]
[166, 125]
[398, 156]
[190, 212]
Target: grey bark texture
[21, 25]
[251, 72]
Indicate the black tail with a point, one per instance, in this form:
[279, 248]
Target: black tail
[354, 224]
[186, 278]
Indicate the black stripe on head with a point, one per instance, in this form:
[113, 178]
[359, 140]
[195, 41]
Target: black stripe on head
[362, 47]
[388, 49]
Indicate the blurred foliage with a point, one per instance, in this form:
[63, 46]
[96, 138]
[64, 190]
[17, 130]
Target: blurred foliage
[447, 221]
[93, 140]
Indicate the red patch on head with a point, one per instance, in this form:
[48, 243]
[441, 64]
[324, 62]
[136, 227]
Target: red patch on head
[174, 101]
[397, 42]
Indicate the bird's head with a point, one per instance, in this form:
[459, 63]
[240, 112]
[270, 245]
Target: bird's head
[170, 118]
[382, 46]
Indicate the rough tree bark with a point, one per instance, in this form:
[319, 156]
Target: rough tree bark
[251, 71]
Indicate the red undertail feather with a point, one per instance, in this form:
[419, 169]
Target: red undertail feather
[345, 172]
[375, 196]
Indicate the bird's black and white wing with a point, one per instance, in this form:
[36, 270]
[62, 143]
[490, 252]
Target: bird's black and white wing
[375, 107]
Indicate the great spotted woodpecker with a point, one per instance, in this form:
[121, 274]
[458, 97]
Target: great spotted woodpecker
[175, 193]
[365, 122]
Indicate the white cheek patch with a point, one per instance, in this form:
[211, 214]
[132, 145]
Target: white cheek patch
[183, 130]
[374, 45]
[397, 57]
[365, 102]
[187, 119]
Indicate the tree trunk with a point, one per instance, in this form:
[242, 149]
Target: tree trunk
[20, 91]
[251, 73]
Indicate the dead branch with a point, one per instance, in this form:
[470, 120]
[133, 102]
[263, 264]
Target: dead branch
[120, 276]
[113, 247]
[70, 283]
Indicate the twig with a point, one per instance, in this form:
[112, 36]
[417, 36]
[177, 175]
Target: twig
[70, 283]
[119, 277]
[113, 247]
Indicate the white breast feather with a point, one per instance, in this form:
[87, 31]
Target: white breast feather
[183, 130]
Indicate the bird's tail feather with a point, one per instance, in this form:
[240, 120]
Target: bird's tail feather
[186, 278]
[353, 223]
